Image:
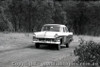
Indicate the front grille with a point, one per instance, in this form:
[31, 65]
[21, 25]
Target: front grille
[45, 39]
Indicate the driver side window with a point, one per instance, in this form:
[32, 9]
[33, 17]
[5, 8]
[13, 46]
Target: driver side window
[65, 29]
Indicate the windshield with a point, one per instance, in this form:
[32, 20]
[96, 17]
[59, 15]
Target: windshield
[51, 28]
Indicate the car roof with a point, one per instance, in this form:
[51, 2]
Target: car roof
[61, 25]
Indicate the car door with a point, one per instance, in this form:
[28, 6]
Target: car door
[68, 37]
[64, 37]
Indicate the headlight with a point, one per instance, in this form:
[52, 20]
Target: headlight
[57, 38]
[56, 35]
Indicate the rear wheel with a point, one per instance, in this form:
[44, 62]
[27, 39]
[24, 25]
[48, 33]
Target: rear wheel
[37, 45]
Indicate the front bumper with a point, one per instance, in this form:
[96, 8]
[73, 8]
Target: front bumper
[46, 42]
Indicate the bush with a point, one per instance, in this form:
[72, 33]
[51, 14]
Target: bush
[88, 52]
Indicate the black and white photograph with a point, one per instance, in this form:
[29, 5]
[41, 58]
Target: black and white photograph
[49, 33]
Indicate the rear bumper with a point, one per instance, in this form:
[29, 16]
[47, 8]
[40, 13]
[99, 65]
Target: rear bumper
[46, 42]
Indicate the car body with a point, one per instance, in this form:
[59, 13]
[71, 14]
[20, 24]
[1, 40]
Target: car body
[53, 34]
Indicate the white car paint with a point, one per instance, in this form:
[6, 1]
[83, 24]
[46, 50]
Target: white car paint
[65, 35]
[50, 34]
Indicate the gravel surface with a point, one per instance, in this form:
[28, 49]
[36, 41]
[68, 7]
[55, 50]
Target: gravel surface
[17, 50]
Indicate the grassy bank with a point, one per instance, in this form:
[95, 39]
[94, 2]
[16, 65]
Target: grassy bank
[13, 40]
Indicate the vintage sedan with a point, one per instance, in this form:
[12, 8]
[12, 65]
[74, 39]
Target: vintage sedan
[54, 35]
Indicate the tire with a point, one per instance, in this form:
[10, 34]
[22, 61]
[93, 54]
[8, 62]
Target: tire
[58, 47]
[67, 45]
[37, 45]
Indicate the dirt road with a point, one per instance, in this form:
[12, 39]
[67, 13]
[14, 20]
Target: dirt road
[29, 56]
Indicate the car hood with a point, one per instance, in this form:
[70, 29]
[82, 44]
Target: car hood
[46, 34]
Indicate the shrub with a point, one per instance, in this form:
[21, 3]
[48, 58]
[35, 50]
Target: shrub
[88, 52]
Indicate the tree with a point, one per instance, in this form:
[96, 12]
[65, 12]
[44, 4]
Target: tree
[83, 17]
[59, 14]
[5, 19]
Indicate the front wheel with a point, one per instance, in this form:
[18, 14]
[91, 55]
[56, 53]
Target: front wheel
[37, 45]
[58, 47]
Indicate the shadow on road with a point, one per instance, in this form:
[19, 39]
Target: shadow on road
[44, 47]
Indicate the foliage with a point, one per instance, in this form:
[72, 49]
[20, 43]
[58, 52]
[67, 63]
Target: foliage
[29, 15]
[80, 16]
[3, 26]
[59, 14]
[88, 52]
[83, 16]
